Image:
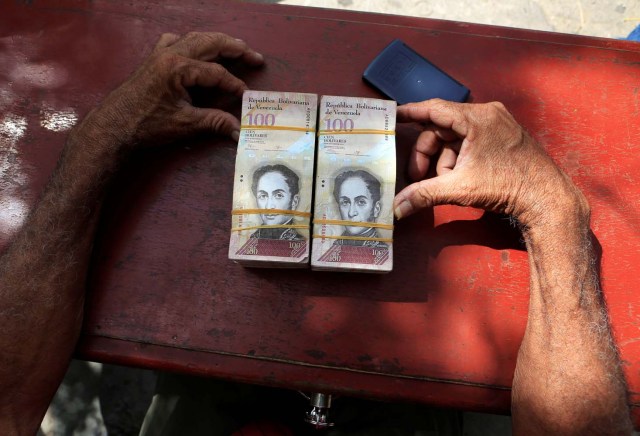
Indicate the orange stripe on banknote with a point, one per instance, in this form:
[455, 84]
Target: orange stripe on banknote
[353, 223]
[269, 212]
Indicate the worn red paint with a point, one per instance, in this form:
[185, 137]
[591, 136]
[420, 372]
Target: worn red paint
[445, 326]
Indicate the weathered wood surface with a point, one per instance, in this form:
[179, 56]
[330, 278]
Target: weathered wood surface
[444, 327]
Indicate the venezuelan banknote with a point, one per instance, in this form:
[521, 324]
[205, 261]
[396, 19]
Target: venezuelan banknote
[355, 185]
[273, 180]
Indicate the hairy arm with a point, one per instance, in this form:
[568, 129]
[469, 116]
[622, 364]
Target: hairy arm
[568, 378]
[42, 273]
[42, 282]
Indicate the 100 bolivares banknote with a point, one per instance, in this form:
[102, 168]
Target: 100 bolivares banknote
[355, 185]
[273, 180]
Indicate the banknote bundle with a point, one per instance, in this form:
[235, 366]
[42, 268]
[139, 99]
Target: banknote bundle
[272, 188]
[355, 185]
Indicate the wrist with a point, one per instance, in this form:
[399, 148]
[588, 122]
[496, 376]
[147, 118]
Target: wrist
[88, 163]
[112, 123]
[100, 138]
[560, 239]
[561, 257]
[565, 219]
[92, 154]
[559, 207]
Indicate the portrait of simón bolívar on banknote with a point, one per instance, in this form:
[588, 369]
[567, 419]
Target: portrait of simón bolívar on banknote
[358, 195]
[276, 187]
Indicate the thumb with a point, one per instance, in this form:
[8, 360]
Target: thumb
[218, 121]
[427, 193]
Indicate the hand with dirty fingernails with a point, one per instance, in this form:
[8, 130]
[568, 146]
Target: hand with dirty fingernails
[483, 159]
[43, 270]
[568, 376]
[154, 105]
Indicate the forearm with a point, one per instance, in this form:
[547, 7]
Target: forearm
[42, 277]
[568, 378]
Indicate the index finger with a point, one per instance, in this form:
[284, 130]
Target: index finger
[442, 113]
[207, 46]
[212, 75]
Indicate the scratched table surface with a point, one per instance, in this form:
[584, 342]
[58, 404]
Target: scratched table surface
[444, 327]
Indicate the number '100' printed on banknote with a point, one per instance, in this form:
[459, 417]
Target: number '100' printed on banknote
[273, 180]
[355, 185]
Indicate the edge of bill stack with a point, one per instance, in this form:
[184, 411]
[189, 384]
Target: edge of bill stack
[355, 185]
[273, 181]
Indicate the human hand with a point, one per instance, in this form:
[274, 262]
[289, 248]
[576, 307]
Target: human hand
[485, 159]
[154, 105]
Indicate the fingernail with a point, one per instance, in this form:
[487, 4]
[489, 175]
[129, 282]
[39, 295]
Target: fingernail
[235, 135]
[403, 209]
[260, 56]
[239, 40]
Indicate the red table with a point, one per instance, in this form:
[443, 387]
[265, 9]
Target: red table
[445, 326]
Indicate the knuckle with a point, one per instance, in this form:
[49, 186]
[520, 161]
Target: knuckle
[218, 72]
[494, 110]
[192, 35]
[498, 106]
[438, 103]
[164, 41]
[424, 197]
[218, 121]
[493, 114]
[216, 38]
[218, 69]
[168, 60]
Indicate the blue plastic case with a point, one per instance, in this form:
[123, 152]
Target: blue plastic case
[403, 75]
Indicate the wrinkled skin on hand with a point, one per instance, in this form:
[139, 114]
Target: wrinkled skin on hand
[154, 104]
[568, 378]
[484, 159]
[43, 271]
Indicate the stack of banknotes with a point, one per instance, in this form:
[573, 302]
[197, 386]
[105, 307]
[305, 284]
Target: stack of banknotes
[273, 181]
[355, 185]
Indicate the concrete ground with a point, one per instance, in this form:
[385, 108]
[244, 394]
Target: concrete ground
[93, 394]
[605, 18]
